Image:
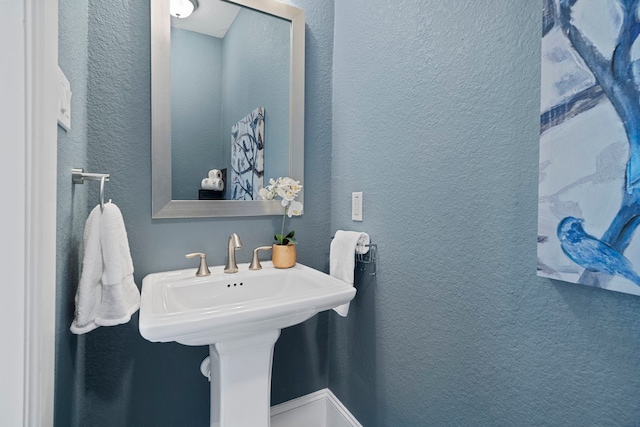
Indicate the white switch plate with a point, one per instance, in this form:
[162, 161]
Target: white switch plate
[356, 206]
[64, 101]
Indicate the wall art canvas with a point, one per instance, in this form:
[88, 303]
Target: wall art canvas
[589, 172]
[247, 156]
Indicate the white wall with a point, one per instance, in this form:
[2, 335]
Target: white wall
[12, 213]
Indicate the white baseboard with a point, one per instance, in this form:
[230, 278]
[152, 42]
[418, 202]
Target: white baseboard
[337, 414]
[319, 409]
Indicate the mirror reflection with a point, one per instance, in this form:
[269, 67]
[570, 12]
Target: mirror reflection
[230, 87]
[250, 89]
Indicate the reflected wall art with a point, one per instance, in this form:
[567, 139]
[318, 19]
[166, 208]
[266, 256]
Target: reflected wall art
[247, 156]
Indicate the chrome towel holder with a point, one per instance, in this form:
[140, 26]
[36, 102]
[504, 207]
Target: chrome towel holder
[78, 176]
[369, 258]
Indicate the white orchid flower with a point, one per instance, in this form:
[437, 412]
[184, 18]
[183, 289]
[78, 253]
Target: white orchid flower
[265, 194]
[286, 194]
[294, 209]
[288, 189]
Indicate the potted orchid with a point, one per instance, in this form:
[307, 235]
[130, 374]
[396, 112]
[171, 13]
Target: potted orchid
[284, 251]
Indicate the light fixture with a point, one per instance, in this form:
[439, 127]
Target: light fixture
[182, 8]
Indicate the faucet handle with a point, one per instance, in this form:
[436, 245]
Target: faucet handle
[203, 270]
[255, 261]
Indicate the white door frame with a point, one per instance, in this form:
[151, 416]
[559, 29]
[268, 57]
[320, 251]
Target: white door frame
[30, 182]
[13, 222]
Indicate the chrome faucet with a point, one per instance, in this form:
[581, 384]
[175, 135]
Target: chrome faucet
[233, 244]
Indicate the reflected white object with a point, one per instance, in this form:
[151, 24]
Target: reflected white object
[212, 184]
[215, 174]
[240, 317]
[182, 8]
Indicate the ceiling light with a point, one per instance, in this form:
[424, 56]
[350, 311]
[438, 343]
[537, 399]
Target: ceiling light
[182, 8]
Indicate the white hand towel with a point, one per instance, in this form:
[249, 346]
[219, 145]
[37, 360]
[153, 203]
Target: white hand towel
[107, 294]
[89, 291]
[342, 258]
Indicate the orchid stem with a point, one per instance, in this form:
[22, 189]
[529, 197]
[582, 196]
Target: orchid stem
[283, 217]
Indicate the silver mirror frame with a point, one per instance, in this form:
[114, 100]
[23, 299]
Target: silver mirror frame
[163, 206]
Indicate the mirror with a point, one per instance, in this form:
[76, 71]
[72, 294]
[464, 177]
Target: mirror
[283, 109]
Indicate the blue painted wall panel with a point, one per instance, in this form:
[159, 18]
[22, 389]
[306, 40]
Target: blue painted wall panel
[436, 119]
[71, 208]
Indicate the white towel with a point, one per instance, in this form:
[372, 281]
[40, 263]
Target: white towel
[107, 294]
[344, 247]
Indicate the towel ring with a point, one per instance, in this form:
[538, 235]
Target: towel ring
[102, 193]
[78, 176]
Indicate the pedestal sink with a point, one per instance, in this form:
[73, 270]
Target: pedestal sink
[239, 316]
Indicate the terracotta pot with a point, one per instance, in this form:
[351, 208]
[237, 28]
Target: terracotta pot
[284, 256]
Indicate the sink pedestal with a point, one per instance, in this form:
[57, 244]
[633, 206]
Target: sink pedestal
[239, 316]
[241, 380]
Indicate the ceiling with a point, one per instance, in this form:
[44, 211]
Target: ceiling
[212, 17]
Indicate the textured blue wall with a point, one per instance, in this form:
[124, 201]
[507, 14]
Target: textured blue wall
[196, 110]
[257, 74]
[71, 207]
[440, 101]
[435, 118]
[112, 376]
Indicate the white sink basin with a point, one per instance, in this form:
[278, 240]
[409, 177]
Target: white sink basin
[178, 306]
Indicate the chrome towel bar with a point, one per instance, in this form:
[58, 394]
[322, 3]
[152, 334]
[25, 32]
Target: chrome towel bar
[78, 176]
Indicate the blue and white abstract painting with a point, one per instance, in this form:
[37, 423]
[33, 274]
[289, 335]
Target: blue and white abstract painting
[247, 156]
[589, 182]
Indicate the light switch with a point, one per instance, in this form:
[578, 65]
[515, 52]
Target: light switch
[356, 206]
[64, 101]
